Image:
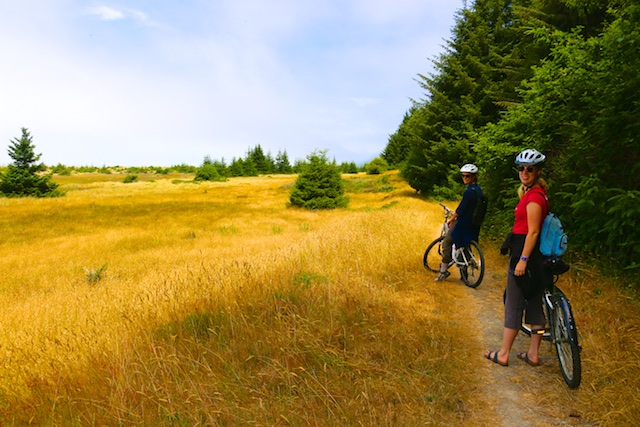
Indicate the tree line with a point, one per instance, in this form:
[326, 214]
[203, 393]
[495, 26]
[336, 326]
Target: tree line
[26, 176]
[256, 162]
[560, 76]
[319, 184]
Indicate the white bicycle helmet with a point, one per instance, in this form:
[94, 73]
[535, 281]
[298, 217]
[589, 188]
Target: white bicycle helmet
[469, 168]
[530, 157]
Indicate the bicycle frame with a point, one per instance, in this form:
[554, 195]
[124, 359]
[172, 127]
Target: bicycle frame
[448, 213]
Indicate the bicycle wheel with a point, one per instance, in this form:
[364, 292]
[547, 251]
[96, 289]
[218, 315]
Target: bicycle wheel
[473, 272]
[433, 255]
[566, 341]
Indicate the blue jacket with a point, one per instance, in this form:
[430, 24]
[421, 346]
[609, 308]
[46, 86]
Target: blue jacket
[464, 231]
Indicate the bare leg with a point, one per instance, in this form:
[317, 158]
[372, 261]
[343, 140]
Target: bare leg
[534, 346]
[508, 337]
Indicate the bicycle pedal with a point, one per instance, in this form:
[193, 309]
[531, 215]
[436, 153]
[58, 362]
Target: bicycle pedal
[538, 331]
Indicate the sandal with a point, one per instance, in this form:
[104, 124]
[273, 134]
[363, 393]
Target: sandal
[494, 359]
[525, 357]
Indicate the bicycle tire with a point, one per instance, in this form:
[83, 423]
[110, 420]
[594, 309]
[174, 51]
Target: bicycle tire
[473, 273]
[566, 341]
[433, 255]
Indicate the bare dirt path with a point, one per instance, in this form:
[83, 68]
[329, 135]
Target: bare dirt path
[522, 395]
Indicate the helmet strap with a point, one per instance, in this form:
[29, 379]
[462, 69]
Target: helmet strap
[533, 184]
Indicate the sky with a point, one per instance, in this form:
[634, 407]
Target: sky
[162, 83]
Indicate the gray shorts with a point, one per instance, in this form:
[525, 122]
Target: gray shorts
[515, 305]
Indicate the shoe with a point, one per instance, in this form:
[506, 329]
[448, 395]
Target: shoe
[443, 275]
[494, 358]
[525, 357]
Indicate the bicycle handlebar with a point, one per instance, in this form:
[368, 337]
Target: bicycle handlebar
[448, 212]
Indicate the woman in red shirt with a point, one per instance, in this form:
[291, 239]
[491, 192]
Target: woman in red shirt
[525, 263]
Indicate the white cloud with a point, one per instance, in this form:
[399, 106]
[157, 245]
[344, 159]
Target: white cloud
[107, 13]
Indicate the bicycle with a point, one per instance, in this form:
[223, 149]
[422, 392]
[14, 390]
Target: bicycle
[469, 259]
[561, 328]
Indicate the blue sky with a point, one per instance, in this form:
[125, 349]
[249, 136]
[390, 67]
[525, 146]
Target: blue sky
[158, 82]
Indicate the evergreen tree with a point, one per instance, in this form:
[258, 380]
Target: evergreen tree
[249, 167]
[399, 144]
[259, 159]
[348, 167]
[582, 109]
[270, 164]
[208, 171]
[476, 77]
[282, 163]
[319, 185]
[237, 167]
[299, 165]
[23, 177]
[556, 75]
[221, 167]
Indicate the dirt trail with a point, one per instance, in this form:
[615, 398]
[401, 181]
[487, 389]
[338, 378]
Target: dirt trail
[522, 395]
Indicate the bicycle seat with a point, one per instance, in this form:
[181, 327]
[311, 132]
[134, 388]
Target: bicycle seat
[556, 266]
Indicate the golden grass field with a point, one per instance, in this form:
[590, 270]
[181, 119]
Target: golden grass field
[164, 302]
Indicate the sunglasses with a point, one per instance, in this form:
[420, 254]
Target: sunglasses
[527, 168]
[466, 175]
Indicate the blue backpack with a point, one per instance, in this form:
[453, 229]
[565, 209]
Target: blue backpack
[553, 240]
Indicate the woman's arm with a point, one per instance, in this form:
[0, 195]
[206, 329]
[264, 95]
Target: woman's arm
[534, 219]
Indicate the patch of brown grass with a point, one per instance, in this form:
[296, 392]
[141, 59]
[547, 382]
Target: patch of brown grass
[219, 305]
[608, 319]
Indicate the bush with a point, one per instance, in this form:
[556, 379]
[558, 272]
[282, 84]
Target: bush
[130, 178]
[61, 169]
[184, 168]
[208, 172]
[376, 166]
[319, 185]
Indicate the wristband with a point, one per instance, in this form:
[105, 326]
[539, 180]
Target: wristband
[524, 258]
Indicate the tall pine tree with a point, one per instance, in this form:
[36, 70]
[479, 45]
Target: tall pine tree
[478, 75]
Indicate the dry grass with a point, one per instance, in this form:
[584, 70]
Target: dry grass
[155, 303]
[608, 317]
[218, 305]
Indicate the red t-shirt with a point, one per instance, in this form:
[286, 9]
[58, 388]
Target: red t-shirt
[535, 195]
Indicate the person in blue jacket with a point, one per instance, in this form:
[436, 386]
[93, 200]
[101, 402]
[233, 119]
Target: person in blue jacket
[461, 228]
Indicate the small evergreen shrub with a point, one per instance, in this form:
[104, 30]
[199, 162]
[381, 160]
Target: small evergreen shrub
[319, 185]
